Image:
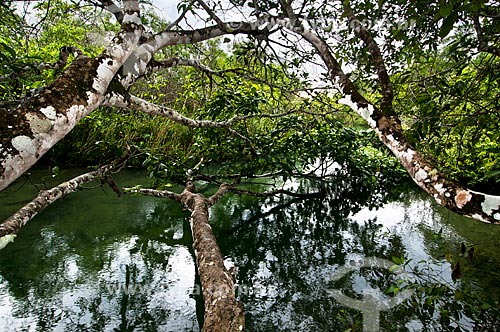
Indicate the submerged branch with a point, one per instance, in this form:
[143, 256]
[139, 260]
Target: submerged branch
[18, 220]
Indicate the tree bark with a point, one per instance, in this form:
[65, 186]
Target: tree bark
[223, 313]
[40, 121]
[446, 192]
[18, 220]
[36, 124]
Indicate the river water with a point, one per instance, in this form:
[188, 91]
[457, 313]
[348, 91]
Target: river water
[96, 262]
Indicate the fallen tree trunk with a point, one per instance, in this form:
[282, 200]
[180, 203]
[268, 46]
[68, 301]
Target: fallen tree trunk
[223, 313]
[18, 220]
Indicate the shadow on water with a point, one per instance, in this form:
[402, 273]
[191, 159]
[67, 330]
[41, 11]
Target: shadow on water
[95, 262]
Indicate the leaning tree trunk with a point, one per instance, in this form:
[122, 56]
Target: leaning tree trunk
[223, 313]
[446, 192]
[31, 126]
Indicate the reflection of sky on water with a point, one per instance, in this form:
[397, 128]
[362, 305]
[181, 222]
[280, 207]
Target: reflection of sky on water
[405, 222]
[298, 301]
[167, 290]
[69, 268]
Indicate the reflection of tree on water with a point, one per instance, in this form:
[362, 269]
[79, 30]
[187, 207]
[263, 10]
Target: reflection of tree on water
[74, 281]
[285, 249]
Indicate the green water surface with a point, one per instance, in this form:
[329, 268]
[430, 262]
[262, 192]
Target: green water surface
[96, 262]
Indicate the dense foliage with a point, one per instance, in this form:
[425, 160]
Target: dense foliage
[447, 98]
[444, 71]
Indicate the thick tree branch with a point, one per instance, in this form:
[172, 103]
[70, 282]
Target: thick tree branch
[31, 129]
[446, 192]
[223, 313]
[383, 76]
[176, 37]
[288, 10]
[483, 45]
[223, 189]
[152, 192]
[138, 63]
[18, 220]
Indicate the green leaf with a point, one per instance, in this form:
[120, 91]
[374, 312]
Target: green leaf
[485, 306]
[397, 260]
[445, 11]
[7, 48]
[491, 174]
[448, 25]
[392, 290]
[394, 268]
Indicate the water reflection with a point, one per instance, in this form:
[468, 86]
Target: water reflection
[288, 250]
[95, 262]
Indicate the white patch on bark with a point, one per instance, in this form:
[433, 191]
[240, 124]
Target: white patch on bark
[92, 98]
[439, 188]
[491, 203]
[421, 175]
[104, 75]
[160, 40]
[479, 217]
[463, 197]
[49, 112]
[5, 240]
[37, 124]
[132, 18]
[114, 99]
[394, 146]
[365, 112]
[23, 143]
[408, 154]
[30, 150]
[75, 113]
